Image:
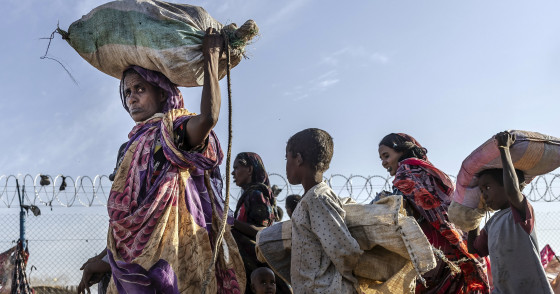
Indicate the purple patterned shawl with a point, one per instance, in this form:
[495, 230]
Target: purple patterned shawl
[138, 204]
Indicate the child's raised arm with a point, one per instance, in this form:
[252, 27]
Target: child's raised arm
[511, 183]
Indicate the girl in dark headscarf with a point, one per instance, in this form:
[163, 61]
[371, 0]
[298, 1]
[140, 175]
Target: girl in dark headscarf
[255, 210]
[255, 206]
[426, 194]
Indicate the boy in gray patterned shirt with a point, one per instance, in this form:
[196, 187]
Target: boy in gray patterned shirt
[324, 253]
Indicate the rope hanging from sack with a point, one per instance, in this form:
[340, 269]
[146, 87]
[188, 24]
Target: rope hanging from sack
[46, 56]
[220, 236]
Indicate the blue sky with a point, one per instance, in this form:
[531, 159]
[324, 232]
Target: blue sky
[449, 73]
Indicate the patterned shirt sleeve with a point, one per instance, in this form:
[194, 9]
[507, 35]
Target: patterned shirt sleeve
[329, 227]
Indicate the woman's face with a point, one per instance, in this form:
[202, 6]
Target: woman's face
[241, 174]
[389, 159]
[142, 98]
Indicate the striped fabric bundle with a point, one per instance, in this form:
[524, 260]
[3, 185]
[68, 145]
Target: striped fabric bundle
[533, 153]
[156, 35]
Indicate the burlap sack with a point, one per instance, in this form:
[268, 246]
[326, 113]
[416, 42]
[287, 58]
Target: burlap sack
[533, 153]
[156, 35]
[395, 248]
[274, 246]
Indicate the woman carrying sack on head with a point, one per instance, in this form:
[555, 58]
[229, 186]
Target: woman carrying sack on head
[426, 195]
[165, 202]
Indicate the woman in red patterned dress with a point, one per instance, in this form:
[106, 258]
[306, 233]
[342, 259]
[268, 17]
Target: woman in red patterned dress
[426, 195]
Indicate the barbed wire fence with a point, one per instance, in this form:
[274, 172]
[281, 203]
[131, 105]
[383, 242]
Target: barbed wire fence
[86, 191]
[73, 223]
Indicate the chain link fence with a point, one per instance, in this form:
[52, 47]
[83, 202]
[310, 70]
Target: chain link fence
[59, 241]
[73, 223]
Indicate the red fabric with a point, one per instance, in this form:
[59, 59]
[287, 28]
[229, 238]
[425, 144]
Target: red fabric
[427, 192]
[527, 222]
[481, 243]
[547, 255]
[242, 214]
[445, 180]
[255, 209]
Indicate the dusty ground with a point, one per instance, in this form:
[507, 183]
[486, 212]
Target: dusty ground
[54, 290]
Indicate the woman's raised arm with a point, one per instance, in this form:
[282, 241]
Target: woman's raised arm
[200, 126]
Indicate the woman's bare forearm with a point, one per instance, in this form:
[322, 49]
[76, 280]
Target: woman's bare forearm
[200, 126]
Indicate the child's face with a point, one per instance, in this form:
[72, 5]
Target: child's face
[291, 169]
[492, 192]
[264, 283]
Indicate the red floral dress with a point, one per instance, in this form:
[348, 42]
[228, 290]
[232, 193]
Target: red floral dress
[427, 194]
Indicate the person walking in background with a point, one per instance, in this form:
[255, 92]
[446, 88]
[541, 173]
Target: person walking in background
[426, 195]
[254, 210]
[291, 203]
[509, 236]
[280, 213]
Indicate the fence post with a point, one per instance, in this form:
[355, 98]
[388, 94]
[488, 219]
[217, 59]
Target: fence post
[21, 217]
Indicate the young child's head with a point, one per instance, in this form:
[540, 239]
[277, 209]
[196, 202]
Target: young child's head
[291, 203]
[308, 151]
[263, 281]
[491, 184]
[280, 215]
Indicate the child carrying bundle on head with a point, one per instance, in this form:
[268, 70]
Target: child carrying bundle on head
[509, 236]
[323, 251]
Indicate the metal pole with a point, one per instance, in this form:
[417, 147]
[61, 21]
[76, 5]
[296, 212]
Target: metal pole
[21, 218]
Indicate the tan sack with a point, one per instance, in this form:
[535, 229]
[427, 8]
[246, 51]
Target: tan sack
[157, 35]
[396, 250]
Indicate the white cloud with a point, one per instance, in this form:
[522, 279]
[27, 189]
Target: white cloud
[348, 56]
[286, 12]
[330, 73]
[330, 60]
[301, 97]
[324, 81]
[379, 58]
[352, 53]
[327, 83]
[314, 86]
